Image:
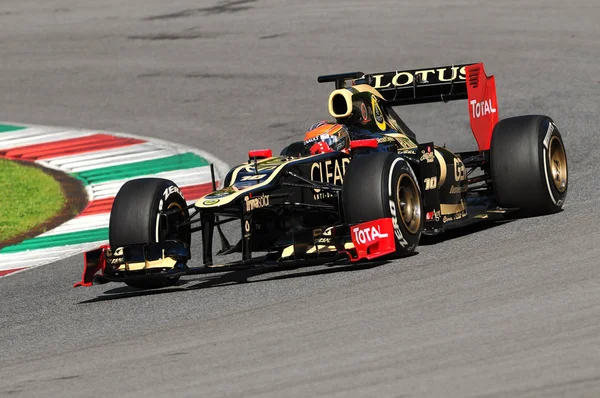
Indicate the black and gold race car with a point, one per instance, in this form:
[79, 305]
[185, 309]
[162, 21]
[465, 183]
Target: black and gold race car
[359, 188]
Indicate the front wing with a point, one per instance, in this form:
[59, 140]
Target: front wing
[337, 244]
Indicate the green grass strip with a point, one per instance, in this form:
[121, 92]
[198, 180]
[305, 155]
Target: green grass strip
[70, 238]
[29, 197]
[7, 127]
[182, 161]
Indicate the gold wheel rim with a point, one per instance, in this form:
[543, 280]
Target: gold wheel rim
[409, 203]
[558, 164]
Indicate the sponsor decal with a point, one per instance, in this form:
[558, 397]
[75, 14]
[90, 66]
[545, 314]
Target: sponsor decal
[397, 230]
[402, 140]
[368, 235]
[459, 170]
[406, 143]
[454, 217]
[393, 211]
[329, 171]
[247, 227]
[221, 193]
[268, 164]
[425, 76]
[377, 114]
[363, 112]
[483, 108]
[167, 192]
[170, 190]
[427, 156]
[433, 215]
[322, 195]
[313, 139]
[408, 151]
[256, 203]
[210, 202]
[548, 134]
[454, 189]
[430, 183]
[323, 240]
[373, 239]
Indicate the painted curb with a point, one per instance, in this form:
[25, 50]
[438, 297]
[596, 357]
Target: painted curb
[103, 161]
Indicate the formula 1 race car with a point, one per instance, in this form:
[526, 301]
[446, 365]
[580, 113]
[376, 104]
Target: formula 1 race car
[359, 188]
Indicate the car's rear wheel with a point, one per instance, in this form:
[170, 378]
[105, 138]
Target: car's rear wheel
[134, 219]
[382, 185]
[529, 164]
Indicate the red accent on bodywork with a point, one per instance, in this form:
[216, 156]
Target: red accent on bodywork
[260, 153]
[373, 239]
[94, 261]
[483, 106]
[368, 143]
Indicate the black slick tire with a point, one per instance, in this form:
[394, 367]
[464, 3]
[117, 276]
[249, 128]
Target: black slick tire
[134, 219]
[381, 185]
[529, 165]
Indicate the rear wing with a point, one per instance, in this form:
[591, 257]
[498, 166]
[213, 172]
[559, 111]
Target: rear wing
[437, 84]
[416, 86]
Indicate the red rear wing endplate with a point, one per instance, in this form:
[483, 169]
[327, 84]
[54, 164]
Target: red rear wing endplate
[483, 106]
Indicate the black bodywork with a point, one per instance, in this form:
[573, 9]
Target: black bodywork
[293, 201]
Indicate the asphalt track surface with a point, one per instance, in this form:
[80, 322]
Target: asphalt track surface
[507, 311]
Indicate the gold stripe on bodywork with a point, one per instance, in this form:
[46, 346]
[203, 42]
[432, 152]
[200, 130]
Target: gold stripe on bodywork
[227, 199]
[365, 88]
[288, 251]
[403, 140]
[135, 266]
[443, 168]
[452, 209]
[321, 248]
[167, 262]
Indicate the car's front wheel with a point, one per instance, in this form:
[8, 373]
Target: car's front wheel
[135, 219]
[383, 185]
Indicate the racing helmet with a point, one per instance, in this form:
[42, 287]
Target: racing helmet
[327, 137]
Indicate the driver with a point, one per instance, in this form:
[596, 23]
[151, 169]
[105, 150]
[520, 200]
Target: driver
[327, 137]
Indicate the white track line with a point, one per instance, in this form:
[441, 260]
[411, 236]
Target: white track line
[185, 177]
[151, 149]
[43, 139]
[37, 257]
